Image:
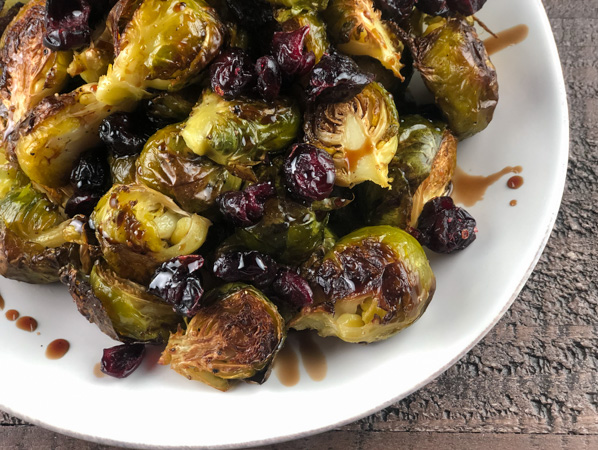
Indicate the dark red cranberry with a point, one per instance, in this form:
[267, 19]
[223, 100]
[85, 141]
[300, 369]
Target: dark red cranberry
[122, 134]
[465, 7]
[82, 203]
[122, 360]
[396, 9]
[179, 283]
[91, 172]
[444, 227]
[336, 78]
[269, 77]
[245, 208]
[309, 172]
[293, 289]
[232, 73]
[289, 50]
[248, 266]
[433, 7]
[67, 24]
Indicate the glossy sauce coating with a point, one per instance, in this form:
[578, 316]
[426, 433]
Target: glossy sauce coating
[12, 315]
[27, 323]
[470, 189]
[515, 182]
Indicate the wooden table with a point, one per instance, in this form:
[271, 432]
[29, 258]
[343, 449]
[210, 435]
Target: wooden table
[533, 381]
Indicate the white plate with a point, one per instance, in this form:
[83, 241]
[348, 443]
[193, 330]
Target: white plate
[156, 407]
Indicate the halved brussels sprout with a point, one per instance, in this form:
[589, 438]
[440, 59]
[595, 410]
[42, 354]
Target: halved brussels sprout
[139, 228]
[30, 71]
[375, 282]
[239, 133]
[170, 167]
[316, 40]
[456, 68]
[92, 63]
[361, 135]
[289, 232]
[165, 46]
[122, 309]
[33, 246]
[421, 170]
[236, 336]
[357, 29]
[58, 130]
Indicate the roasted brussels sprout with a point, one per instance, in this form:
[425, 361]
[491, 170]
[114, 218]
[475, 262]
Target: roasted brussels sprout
[170, 167]
[11, 176]
[290, 232]
[93, 62]
[239, 133]
[170, 107]
[30, 71]
[421, 169]
[360, 134]
[139, 228]
[299, 5]
[456, 68]
[357, 29]
[122, 309]
[316, 40]
[236, 336]
[165, 46]
[375, 282]
[57, 131]
[122, 168]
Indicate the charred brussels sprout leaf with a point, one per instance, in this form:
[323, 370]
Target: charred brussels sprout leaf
[30, 71]
[316, 40]
[239, 133]
[456, 68]
[236, 336]
[165, 46]
[376, 282]
[57, 131]
[421, 170]
[290, 232]
[357, 29]
[139, 228]
[169, 166]
[360, 134]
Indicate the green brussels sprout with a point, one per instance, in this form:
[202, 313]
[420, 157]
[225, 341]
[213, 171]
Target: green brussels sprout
[122, 168]
[239, 133]
[11, 176]
[122, 309]
[92, 63]
[316, 40]
[456, 68]
[30, 71]
[357, 29]
[235, 336]
[374, 282]
[58, 130]
[289, 232]
[139, 228]
[360, 134]
[421, 170]
[170, 107]
[301, 5]
[164, 46]
[167, 165]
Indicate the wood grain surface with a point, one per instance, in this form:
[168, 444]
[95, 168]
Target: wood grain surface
[533, 381]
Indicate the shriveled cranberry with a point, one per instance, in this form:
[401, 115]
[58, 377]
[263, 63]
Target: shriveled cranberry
[269, 77]
[123, 134]
[232, 73]
[122, 360]
[179, 283]
[81, 203]
[396, 9]
[67, 24]
[245, 208]
[289, 50]
[293, 289]
[249, 266]
[91, 173]
[444, 227]
[336, 78]
[465, 7]
[433, 7]
[309, 172]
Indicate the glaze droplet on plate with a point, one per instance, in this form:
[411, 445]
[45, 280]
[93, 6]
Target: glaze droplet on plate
[470, 189]
[57, 349]
[286, 366]
[313, 357]
[12, 315]
[506, 38]
[27, 323]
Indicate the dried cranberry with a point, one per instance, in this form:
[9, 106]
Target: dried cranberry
[91, 172]
[336, 78]
[269, 78]
[293, 289]
[232, 73]
[179, 283]
[289, 50]
[396, 9]
[249, 266]
[465, 7]
[82, 203]
[122, 133]
[67, 24]
[433, 7]
[309, 172]
[245, 208]
[122, 360]
[444, 227]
